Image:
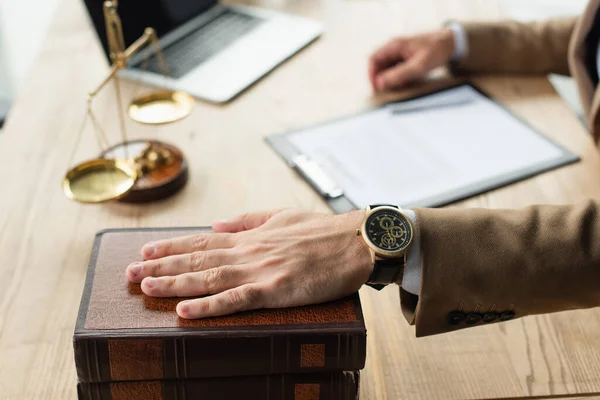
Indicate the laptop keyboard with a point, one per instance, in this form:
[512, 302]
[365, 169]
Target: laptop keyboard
[203, 43]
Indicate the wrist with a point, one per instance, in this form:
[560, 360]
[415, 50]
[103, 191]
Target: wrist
[361, 257]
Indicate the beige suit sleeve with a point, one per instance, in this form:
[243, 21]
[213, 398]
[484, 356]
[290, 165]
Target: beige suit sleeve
[514, 47]
[536, 260]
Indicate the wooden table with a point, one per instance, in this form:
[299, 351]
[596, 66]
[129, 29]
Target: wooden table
[45, 239]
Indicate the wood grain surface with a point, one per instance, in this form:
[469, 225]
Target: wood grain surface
[45, 239]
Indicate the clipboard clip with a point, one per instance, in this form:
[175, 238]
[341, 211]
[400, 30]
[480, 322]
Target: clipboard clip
[422, 104]
[316, 177]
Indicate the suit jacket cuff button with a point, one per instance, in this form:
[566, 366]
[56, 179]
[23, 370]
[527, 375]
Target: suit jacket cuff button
[473, 318]
[507, 315]
[456, 317]
[490, 317]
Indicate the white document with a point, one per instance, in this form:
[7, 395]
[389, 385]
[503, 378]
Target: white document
[430, 151]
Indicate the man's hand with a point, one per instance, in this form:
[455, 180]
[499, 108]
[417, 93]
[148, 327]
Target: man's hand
[407, 59]
[261, 260]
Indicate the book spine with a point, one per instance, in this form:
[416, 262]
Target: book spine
[111, 360]
[323, 386]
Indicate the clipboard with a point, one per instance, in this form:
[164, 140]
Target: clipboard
[339, 201]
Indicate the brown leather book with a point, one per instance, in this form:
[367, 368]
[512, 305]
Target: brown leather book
[124, 335]
[318, 386]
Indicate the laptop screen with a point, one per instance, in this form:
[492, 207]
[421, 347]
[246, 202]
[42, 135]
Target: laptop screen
[136, 15]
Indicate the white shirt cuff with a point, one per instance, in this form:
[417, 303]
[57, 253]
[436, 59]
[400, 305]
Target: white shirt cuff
[461, 44]
[411, 280]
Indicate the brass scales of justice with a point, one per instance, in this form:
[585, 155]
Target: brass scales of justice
[131, 171]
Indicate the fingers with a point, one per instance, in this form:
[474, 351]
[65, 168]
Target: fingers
[187, 244]
[179, 264]
[385, 57]
[242, 298]
[244, 222]
[403, 73]
[211, 281]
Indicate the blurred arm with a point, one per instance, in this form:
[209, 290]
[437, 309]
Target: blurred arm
[515, 47]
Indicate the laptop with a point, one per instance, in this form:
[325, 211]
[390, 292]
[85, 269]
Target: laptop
[212, 51]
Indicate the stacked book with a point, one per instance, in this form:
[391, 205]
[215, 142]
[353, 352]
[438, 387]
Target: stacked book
[131, 346]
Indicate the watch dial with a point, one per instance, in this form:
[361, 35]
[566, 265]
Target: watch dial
[389, 230]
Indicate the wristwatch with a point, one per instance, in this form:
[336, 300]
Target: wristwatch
[388, 233]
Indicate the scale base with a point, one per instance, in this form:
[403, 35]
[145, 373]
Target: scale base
[156, 180]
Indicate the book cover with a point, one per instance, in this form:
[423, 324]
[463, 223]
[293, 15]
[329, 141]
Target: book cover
[335, 385]
[123, 335]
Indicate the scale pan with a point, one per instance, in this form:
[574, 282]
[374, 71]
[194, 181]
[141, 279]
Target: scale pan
[99, 180]
[161, 107]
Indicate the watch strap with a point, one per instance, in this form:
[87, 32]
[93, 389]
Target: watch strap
[383, 205]
[386, 271]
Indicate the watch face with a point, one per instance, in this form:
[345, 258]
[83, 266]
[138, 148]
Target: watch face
[389, 230]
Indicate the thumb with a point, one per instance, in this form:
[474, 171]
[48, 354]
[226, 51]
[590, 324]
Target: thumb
[244, 222]
[403, 73]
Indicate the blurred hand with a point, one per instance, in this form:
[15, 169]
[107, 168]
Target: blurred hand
[406, 59]
[260, 260]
